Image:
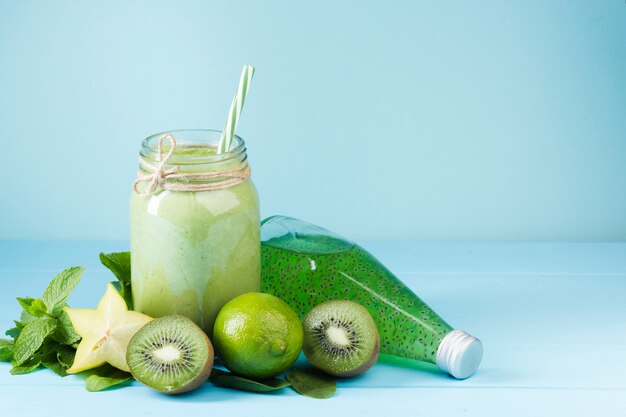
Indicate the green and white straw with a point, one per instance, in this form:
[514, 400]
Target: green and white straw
[235, 109]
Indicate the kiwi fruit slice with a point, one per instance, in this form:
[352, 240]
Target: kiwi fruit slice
[170, 354]
[341, 338]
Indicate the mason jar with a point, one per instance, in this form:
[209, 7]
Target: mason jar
[194, 226]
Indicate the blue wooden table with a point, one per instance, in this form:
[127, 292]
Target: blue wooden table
[552, 318]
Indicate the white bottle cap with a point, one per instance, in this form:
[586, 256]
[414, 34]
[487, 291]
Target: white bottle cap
[459, 354]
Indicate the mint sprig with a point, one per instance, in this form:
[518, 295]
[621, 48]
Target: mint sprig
[44, 332]
[44, 335]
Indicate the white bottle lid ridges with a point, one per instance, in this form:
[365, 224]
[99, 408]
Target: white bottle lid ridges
[459, 354]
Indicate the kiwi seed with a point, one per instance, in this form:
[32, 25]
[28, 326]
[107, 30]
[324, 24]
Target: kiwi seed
[341, 338]
[170, 354]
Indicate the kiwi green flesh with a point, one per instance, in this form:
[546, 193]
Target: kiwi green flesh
[170, 354]
[341, 338]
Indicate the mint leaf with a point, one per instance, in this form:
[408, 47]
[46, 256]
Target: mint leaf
[26, 367]
[13, 332]
[65, 355]
[311, 383]
[65, 333]
[31, 339]
[6, 350]
[44, 335]
[229, 380]
[26, 317]
[48, 347]
[38, 308]
[51, 362]
[59, 289]
[105, 377]
[34, 307]
[119, 264]
[56, 367]
[4, 343]
[25, 302]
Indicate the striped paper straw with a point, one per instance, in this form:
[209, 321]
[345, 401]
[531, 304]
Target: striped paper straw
[235, 109]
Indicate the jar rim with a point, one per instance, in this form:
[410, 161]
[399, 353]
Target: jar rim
[193, 138]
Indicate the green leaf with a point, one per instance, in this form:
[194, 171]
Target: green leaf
[38, 308]
[55, 355]
[55, 367]
[34, 307]
[65, 333]
[119, 264]
[98, 383]
[48, 347]
[26, 317]
[229, 380]
[311, 383]
[13, 332]
[60, 288]
[6, 350]
[125, 291]
[49, 358]
[6, 355]
[105, 377]
[65, 355]
[118, 287]
[26, 367]
[25, 302]
[31, 339]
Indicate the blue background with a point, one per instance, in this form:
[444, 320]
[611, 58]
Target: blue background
[482, 120]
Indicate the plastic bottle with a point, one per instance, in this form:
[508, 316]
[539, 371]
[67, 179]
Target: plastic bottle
[305, 265]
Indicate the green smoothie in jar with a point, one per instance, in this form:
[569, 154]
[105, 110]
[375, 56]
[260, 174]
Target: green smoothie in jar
[194, 218]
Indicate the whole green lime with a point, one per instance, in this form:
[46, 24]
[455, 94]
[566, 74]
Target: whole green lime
[257, 335]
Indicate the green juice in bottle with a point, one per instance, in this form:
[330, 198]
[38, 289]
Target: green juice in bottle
[305, 265]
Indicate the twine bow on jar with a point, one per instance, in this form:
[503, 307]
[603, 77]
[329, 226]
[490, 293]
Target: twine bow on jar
[157, 175]
[170, 179]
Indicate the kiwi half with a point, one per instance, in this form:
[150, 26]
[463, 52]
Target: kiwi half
[170, 354]
[341, 338]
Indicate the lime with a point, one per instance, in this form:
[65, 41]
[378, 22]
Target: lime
[257, 335]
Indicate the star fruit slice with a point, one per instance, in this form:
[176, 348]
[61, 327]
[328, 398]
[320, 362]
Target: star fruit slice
[106, 332]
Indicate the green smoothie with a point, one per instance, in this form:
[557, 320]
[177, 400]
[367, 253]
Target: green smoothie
[193, 251]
